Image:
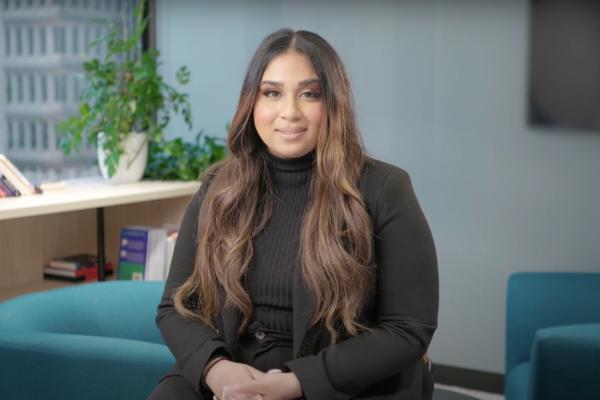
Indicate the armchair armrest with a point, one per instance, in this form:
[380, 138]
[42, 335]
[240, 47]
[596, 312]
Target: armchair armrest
[565, 361]
[89, 367]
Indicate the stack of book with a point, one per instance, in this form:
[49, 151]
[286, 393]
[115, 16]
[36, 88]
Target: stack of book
[79, 267]
[145, 252]
[12, 181]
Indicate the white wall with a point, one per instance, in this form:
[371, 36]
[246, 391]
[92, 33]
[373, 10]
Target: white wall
[440, 89]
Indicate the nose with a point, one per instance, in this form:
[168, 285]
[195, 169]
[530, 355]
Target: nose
[290, 110]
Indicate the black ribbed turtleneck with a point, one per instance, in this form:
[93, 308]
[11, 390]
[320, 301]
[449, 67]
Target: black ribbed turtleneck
[276, 248]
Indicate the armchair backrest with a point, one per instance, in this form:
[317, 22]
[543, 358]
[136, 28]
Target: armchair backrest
[540, 300]
[120, 309]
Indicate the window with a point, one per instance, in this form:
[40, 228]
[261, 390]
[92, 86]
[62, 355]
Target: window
[59, 39]
[19, 42]
[44, 88]
[42, 40]
[21, 135]
[76, 90]
[34, 84]
[19, 88]
[86, 39]
[7, 41]
[8, 88]
[44, 135]
[56, 137]
[75, 40]
[11, 139]
[31, 88]
[60, 88]
[97, 36]
[30, 40]
[32, 135]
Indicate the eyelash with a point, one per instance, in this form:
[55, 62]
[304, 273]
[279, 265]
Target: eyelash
[313, 95]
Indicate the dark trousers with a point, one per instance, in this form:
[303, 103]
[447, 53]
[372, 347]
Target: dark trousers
[258, 348]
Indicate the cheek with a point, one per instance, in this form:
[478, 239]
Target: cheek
[314, 114]
[263, 115]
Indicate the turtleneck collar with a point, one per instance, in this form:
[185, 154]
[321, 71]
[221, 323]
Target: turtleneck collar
[298, 164]
[292, 174]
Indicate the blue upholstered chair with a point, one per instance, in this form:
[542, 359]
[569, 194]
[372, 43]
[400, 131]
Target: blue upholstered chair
[89, 341]
[553, 336]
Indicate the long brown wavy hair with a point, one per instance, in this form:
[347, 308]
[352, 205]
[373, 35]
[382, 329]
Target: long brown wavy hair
[336, 238]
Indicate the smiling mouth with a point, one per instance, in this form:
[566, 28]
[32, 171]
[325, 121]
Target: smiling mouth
[291, 132]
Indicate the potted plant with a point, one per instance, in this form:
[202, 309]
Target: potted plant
[125, 104]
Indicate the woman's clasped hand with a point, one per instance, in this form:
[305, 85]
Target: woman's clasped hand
[236, 381]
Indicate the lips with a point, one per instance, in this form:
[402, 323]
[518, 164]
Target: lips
[291, 131]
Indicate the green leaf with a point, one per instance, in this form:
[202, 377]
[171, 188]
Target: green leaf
[84, 110]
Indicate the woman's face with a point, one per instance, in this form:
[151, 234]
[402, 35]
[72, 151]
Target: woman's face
[288, 109]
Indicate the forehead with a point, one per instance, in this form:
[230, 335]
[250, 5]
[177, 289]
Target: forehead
[288, 68]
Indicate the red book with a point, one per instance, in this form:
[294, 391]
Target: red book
[86, 273]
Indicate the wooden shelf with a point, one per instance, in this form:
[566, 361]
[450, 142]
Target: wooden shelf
[37, 228]
[84, 194]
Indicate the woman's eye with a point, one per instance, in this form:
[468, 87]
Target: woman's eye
[312, 95]
[270, 93]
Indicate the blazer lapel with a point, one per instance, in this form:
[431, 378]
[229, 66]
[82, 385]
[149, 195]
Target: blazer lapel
[304, 306]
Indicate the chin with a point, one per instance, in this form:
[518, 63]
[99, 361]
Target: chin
[290, 153]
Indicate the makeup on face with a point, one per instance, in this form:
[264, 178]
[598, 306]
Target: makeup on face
[288, 109]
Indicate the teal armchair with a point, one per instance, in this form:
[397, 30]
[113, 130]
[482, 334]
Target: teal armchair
[89, 341]
[553, 336]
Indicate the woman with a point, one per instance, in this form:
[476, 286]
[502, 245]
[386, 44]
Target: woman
[303, 268]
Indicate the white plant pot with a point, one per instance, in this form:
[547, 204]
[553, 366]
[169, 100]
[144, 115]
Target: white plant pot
[131, 164]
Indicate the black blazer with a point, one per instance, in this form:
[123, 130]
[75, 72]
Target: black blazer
[383, 364]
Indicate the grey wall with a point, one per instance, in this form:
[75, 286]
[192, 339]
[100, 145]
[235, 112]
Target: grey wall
[440, 91]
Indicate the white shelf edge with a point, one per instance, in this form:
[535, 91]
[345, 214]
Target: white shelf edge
[92, 195]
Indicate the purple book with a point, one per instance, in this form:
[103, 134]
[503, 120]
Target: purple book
[132, 253]
[8, 186]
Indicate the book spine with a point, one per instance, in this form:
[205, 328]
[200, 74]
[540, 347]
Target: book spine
[67, 265]
[62, 278]
[59, 272]
[88, 273]
[8, 187]
[15, 176]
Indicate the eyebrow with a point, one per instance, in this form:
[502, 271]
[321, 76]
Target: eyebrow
[301, 84]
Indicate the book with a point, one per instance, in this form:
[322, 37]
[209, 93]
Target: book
[144, 253]
[74, 262]
[8, 187]
[132, 253]
[55, 186]
[83, 273]
[171, 240]
[15, 177]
